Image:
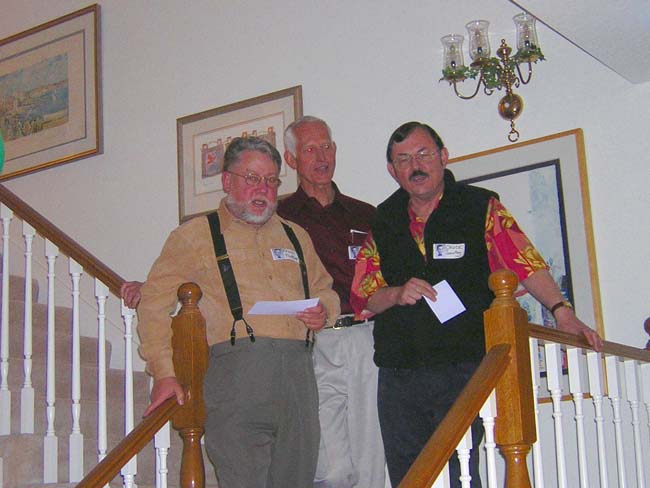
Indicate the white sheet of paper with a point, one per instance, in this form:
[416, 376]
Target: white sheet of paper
[447, 304]
[282, 308]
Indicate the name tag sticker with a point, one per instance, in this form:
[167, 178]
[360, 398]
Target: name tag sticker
[448, 251]
[280, 254]
[353, 251]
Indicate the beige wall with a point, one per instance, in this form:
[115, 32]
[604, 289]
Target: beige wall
[366, 66]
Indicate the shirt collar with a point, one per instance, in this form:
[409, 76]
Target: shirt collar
[415, 218]
[301, 198]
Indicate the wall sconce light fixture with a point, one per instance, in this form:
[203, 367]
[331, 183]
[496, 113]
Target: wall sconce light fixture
[502, 72]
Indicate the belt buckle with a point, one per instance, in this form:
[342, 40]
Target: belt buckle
[342, 322]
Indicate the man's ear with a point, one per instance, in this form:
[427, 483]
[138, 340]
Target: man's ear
[391, 170]
[226, 181]
[290, 159]
[444, 157]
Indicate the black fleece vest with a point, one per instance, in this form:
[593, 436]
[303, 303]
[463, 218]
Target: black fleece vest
[412, 336]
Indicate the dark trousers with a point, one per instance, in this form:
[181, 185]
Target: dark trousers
[412, 403]
[261, 402]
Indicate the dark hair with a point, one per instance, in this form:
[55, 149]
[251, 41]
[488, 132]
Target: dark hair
[241, 144]
[404, 130]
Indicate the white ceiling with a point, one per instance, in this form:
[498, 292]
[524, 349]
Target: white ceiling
[615, 32]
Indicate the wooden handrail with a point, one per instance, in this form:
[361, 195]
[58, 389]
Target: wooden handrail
[444, 440]
[66, 244]
[611, 348]
[506, 329]
[131, 445]
[190, 356]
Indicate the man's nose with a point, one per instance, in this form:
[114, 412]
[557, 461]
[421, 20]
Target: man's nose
[320, 154]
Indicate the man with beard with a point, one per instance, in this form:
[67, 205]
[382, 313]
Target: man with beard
[351, 452]
[260, 392]
[434, 229]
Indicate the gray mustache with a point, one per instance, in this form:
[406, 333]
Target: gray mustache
[417, 173]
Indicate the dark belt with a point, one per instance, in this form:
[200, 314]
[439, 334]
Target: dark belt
[346, 321]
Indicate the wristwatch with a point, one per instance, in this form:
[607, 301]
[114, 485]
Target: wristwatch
[560, 304]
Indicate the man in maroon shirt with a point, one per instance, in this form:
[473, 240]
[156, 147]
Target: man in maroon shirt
[351, 451]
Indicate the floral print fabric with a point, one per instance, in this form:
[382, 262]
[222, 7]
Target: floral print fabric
[507, 247]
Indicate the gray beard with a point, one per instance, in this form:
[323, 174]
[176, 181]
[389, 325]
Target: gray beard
[239, 210]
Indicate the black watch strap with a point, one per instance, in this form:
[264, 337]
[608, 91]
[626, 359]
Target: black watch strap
[560, 304]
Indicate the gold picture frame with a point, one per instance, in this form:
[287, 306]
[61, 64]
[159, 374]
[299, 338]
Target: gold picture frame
[543, 181]
[203, 137]
[50, 96]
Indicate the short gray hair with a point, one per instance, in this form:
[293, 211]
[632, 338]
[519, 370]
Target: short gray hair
[241, 144]
[290, 134]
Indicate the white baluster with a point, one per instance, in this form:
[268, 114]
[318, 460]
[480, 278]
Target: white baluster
[554, 378]
[161, 442]
[463, 450]
[5, 394]
[595, 369]
[487, 413]
[632, 392]
[645, 393]
[131, 468]
[575, 387]
[614, 391]
[538, 464]
[50, 441]
[27, 391]
[76, 437]
[101, 293]
[645, 389]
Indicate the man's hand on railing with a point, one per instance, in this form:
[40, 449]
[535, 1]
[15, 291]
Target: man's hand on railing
[567, 321]
[542, 286]
[130, 293]
[163, 389]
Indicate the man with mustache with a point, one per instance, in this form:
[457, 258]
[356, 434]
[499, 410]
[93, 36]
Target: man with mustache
[434, 229]
[260, 391]
[351, 451]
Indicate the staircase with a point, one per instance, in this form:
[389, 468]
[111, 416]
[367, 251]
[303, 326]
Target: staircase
[79, 399]
[22, 454]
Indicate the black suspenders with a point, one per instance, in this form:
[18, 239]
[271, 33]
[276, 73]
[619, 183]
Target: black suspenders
[230, 283]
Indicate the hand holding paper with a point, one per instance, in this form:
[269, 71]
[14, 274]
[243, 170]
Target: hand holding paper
[313, 317]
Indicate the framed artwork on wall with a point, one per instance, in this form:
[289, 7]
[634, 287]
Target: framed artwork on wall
[50, 101]
[204, 136]
[543, 183]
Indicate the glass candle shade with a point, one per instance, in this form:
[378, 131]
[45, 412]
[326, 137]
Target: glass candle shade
[453, 52]
[526, 33]
[479, 43]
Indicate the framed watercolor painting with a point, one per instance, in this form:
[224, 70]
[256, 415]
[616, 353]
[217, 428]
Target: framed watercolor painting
[543, 182]
[203, 138]
[50, 103]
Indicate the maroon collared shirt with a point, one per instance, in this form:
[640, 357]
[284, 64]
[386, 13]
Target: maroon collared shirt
[337, 230]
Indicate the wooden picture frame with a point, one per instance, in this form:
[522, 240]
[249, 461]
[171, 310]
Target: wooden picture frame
[543, 183]
[50, 96]
[203, 137]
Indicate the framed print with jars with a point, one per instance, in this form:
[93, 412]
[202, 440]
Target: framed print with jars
[203, 138]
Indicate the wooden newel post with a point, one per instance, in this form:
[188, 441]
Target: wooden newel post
[190, 357]
[506, 323]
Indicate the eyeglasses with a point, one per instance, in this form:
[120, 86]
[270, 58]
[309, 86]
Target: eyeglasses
[253, 179]
[422, 157]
